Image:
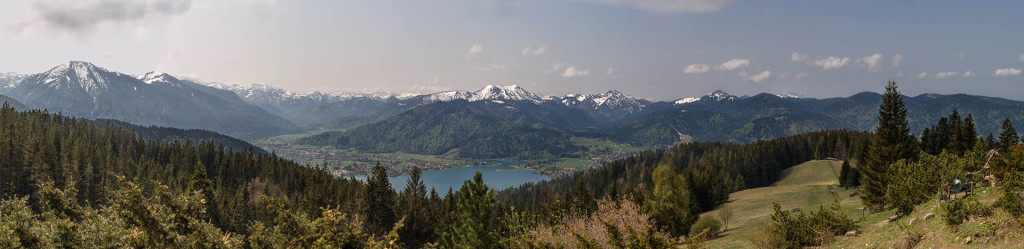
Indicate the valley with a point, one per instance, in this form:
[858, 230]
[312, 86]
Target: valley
[348, 162]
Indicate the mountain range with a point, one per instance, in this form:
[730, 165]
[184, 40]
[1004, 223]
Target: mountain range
[372, 121]
[82, 89]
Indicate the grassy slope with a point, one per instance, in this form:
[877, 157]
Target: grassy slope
[997, 231]
[804, 186]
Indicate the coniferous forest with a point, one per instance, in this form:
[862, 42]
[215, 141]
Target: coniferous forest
[77, 183]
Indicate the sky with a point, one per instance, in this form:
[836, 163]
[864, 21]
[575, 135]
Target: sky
[654, 49]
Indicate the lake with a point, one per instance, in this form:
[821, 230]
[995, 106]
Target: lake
[497, 177]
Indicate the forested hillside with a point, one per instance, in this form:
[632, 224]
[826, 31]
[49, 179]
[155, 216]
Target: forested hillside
[712, 170]
[460, 127]
[168, 134]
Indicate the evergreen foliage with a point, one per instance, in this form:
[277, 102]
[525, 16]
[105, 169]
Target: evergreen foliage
[849, 176]
[671, 204]
[891, 142]
[380, 201]
[1009, 136]
[473, 219]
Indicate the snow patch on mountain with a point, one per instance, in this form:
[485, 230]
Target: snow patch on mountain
[496, 92]
[716, 96]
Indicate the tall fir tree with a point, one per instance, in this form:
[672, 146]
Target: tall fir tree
[1008, 138]
[891, 141]
[415, 207]
[473, 219]
[970, 132]
[380, 202]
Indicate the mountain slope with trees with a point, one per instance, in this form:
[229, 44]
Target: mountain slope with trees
[466, 128]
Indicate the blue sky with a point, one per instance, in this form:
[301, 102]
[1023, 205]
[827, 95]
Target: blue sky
[656, 49]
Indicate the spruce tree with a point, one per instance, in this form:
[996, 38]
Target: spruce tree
[413, 205]
[380, 201]
[473, 219]
[848, 175]
[969, 132]
[891, 142]
[1008, 138]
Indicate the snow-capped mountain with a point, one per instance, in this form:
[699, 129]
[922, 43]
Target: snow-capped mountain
[447, 96]
[612, 104]
[789, 95]
[509, 93]
[716, 96]
[8, 79]
[84, 90]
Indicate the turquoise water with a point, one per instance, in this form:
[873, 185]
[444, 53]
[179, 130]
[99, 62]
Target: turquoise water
[497, 177]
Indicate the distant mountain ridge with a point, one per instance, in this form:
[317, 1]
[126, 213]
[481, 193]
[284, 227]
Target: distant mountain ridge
[251, 111]
[84, 90]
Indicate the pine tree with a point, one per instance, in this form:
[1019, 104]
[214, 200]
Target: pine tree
[201, 182]
[957, 134]
[380, 202]
[413, 205]
[970, 134]
[474, 217]
[891, 142]
[1008, 138]
[848, 175]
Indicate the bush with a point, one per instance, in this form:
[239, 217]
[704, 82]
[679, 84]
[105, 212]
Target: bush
[707, 222]
[1013, 194]
[910, 239]
[955, 212]
[794, 229]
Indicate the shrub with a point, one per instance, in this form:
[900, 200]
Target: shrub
[955, 212]
[910, 239]
[707, 222]
[794, 229]
[1013, 194]
[763, 237]
[621, 224]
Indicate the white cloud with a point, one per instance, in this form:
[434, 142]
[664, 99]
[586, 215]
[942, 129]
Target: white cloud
[1006, 72]
[475, 50]
[696, 68]
[872, 62]
[527, 51]
[831, 62]
[668, 6]
[944, 75]
[922, 75]
[732, 64]
[85, 16]
[798, 57]
[967, 73]
[756, 77]
[572, 71]
[896, 60]
[1020, 58]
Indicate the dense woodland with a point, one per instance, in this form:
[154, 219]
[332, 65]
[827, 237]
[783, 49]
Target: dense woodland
[452, 127]
[70, 182]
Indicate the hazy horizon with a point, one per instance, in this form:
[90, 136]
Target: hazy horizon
[659, 50]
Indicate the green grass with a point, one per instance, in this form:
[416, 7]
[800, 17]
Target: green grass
[803, 186]
[600, 144]
[997, 231]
